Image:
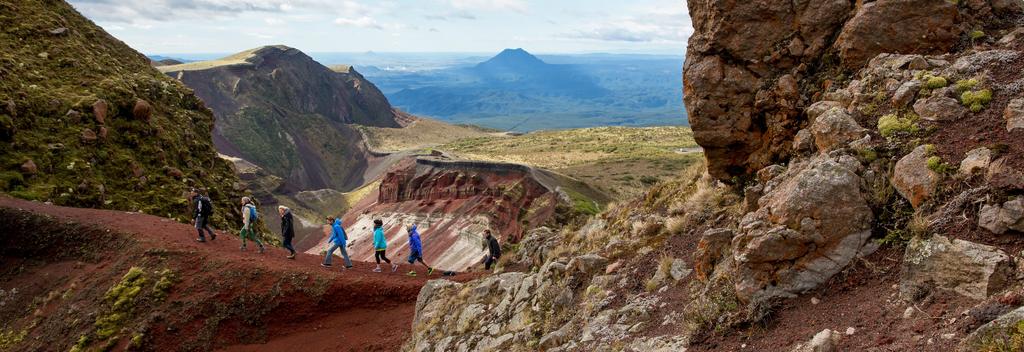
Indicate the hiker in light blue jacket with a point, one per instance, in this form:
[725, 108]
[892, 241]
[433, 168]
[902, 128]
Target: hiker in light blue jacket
[338, 240]
[416, 250]
[380, 245]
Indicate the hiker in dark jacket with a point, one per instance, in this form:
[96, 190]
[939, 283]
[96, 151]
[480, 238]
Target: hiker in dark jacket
[287, 230]
[493, 250]
[202, 210]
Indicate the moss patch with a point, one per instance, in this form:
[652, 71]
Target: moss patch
[889, 125]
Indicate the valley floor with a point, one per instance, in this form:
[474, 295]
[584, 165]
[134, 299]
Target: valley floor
[223, 298]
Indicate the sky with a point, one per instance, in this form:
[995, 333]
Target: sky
[469, 26]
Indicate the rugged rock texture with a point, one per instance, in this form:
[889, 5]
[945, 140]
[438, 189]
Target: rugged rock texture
[290, 115]
[452, 203]
[1001, 218]
[970, 269]
[807, 229]
[751, 66]
[912, 177]
[68, 129]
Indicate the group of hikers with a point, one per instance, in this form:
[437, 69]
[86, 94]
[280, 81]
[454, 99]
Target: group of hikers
[338, 238]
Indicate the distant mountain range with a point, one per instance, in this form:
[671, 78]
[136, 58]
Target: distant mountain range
[516, 90]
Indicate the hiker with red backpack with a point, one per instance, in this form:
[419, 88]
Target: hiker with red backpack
[202, 211]
[249, 218]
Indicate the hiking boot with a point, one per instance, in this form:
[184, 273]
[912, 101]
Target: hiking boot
[394, 267]
[292, 256]
[430, 271]
[325, 265]
[261, 250]
[213, 236]
[200, 240]
[242, 248]
[412, 273]
[376, 270]
[349, 267]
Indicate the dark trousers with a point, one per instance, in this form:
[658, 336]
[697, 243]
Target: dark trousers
[202, 223]
[288, 244]
[379, 255]
[490, 261]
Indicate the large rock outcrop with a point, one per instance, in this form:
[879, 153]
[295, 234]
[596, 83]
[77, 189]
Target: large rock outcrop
[807, 229]
[452, 203]
[751, 66]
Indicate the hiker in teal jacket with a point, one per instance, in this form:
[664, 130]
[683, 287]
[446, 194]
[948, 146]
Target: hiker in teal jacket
[338, 240]
[380, 245]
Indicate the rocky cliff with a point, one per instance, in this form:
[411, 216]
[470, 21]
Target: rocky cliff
[874, 199]
[753, 67]
[452, 203]
[292, 116]
[86, 122]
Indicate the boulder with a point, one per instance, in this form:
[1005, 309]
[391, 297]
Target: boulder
[142, 110]
[999, 332]
[824, 341]
[102, 132]
[835, 129]
[1003, 175]
[59, 31]
[1001, 218]
[906, 92]
[803, 142]
[29, 167]
[913, 179]
[1014, 115]
[939, 107]
[821, 107]
[712, 247]
[588, 264]
[429, 292]
[88, 135]
[976, 159]
[99, 110]
[679, 270]
[970, 269]
[807, 229]
[898, 26]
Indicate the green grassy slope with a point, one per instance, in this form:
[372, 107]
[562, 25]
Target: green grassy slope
[54, 66]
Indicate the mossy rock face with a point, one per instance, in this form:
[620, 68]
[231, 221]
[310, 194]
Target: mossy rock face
[47, 101]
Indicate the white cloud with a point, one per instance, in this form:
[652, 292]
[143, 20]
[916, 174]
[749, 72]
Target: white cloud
[513, 5]
[659, 23]
[273, 21]
[361, 22]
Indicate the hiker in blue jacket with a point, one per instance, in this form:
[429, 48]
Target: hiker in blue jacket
[416, 251]
[380, 245]
[338, 240]
[249, 217]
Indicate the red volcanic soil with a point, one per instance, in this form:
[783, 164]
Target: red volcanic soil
[62, 261]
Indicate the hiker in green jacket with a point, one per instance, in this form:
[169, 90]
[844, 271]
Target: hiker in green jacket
[249, 217]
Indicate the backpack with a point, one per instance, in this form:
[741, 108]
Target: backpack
[253, 215]
[207, 206]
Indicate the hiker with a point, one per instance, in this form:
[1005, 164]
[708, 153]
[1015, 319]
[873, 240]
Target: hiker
[287, 230]
[494, 250]
[380, 245]
[249, 217]
[416, 251]
[201, 214]
[337, 241]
